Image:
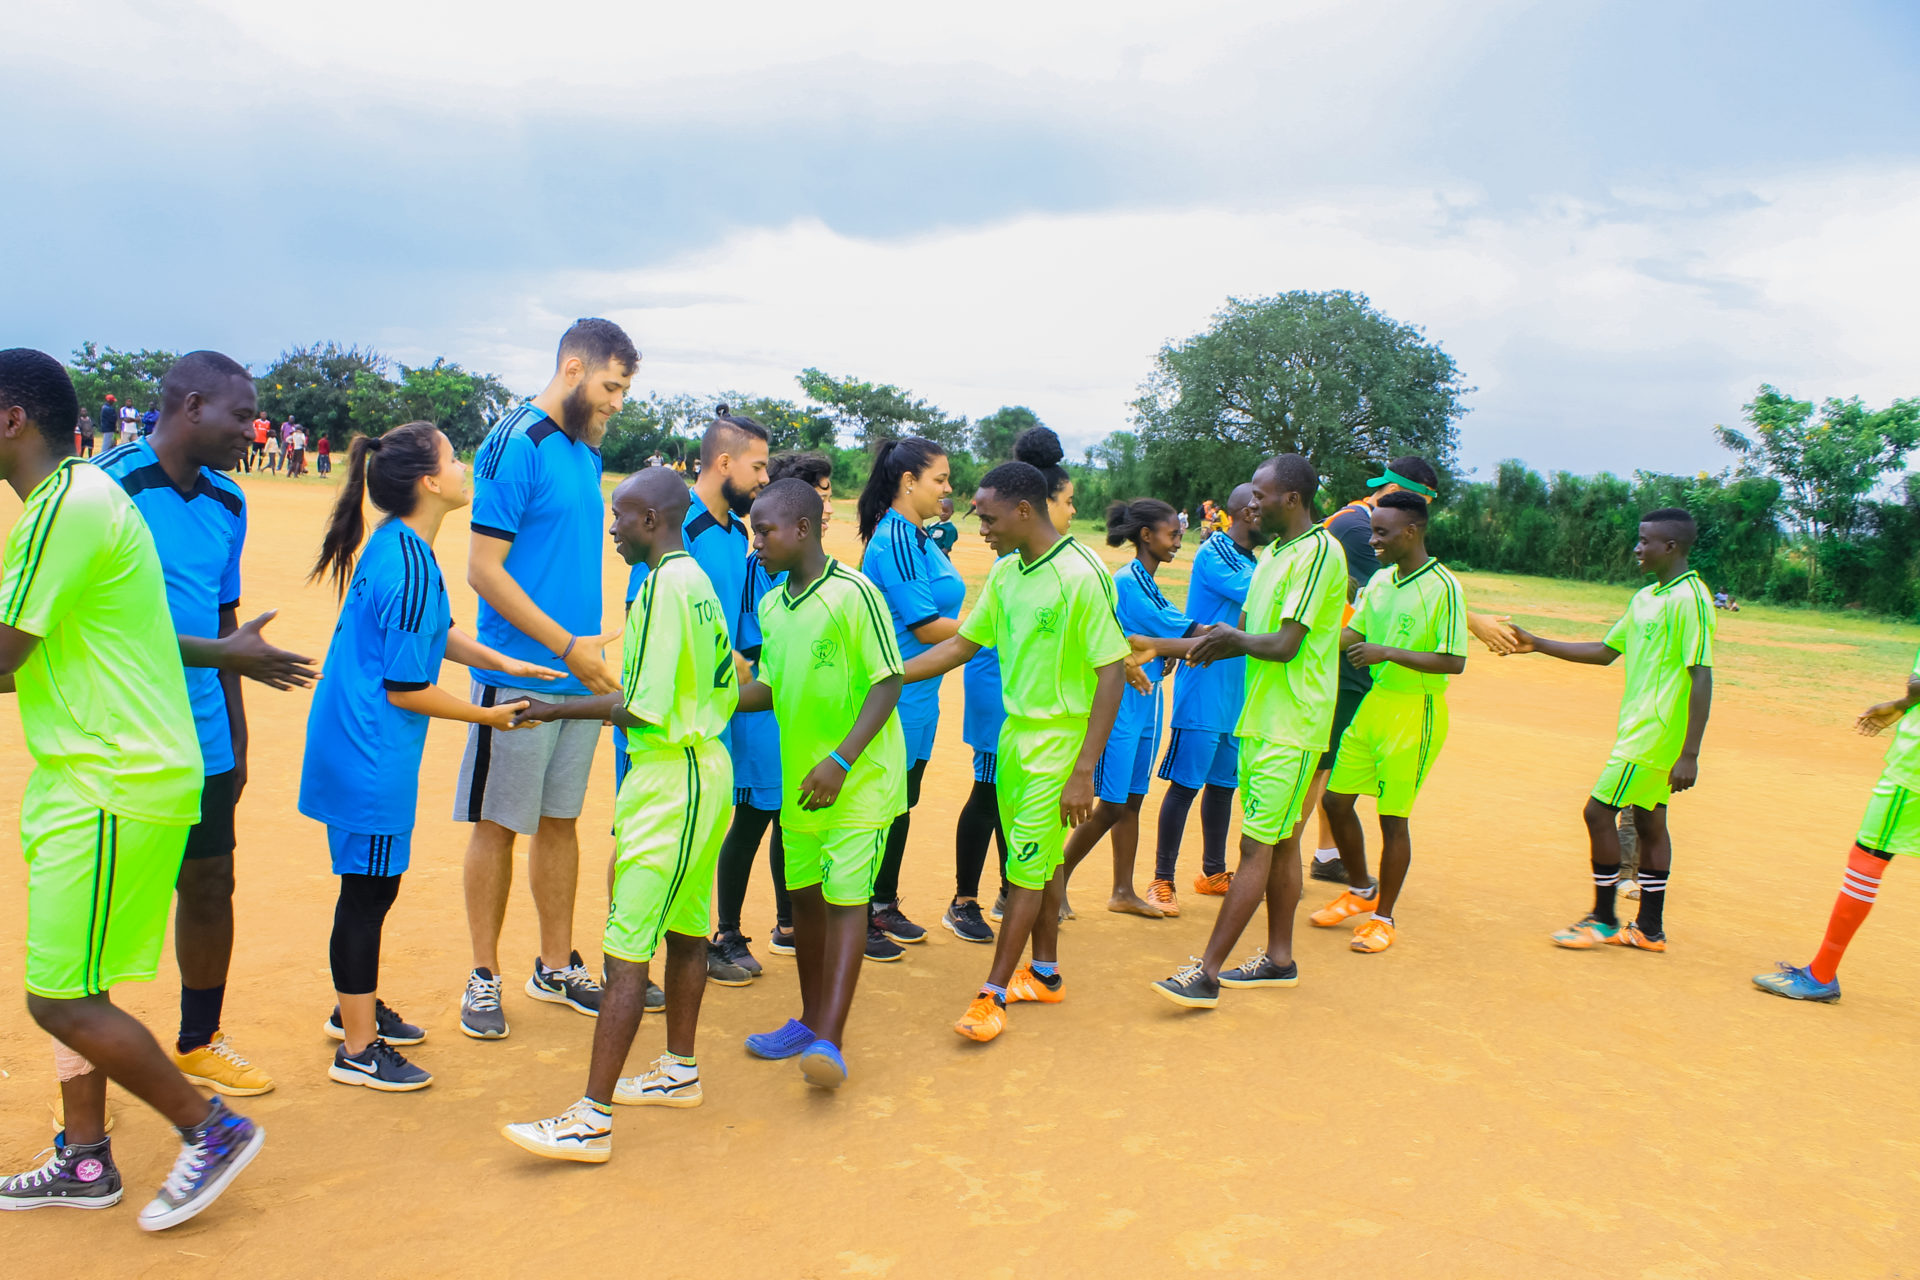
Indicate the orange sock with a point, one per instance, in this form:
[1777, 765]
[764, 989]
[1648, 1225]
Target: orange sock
[1857, 892]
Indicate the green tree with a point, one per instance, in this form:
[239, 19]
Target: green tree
[130, 377]
[790, 426]
[993, 435]
[1321, 374]
[874, 411]
[322, 386]
[464, 405]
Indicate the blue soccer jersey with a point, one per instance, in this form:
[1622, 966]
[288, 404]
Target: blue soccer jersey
[538, 488]
[920, 585]
[199, 536]
[362, 766]
[1210, 698]
[1143, 611]
[755, 734]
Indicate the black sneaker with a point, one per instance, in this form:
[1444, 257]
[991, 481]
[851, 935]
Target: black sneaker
[656, 998]
[1190, 988]
[74, 1177]
[966, 922]
[880, 947]
[387, 1024]
[1334, 872]
[724, 970]
[572, 986]
[1261, 971]
[886, 915]
[480, 1014]
[780, 941]
[378, 1066]
[733, 945]
[212, 1154]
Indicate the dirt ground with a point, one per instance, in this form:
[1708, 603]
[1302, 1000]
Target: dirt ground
[1472, 1102]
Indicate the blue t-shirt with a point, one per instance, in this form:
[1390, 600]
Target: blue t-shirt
[538, 488]
[199, 536]
[920, 584]
[1143, 611]
[756, 734]
[362, 767]
[1210, 698]
[719, 549]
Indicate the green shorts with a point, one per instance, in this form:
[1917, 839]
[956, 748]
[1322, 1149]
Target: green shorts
[98, 890]
[1036, 759]
[668, 821]
[843, 863]
[1633, 782]
[1387, 750]
[1274, 781]
[1892, 822]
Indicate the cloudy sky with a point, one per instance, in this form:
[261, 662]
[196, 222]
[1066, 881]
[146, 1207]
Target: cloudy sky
[1618, 217]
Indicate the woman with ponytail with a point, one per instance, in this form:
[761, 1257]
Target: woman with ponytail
[1125, 771]
[368, 724]
[923, 592]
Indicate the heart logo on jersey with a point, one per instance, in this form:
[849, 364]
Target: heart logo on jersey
[1046, 618]
[824, 652]
[1405, 625]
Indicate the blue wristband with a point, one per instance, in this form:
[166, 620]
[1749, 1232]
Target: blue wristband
[840, 760]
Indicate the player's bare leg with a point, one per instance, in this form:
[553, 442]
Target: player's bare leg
[553, 869]
[1396, 856]
[489, 879]
[1249, 889]
[125, 1051]
[1339, 813]
[1126, 847]
[1283, 896]
[622, 1001]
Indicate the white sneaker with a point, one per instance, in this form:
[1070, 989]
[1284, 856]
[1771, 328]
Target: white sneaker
[578, 1133]
[668, 1084]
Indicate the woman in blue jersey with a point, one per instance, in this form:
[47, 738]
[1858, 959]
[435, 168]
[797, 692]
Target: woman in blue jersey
[923, 592]
[368, 723]
[1125, 770]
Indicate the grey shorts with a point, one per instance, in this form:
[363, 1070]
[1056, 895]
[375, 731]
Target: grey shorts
[518, 778]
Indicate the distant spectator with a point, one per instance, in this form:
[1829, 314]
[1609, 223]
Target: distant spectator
[943, 531]
[109, 423]
[655, 460]
[273, 451]
[129, 424]
[297, 451]
[1184, 525]
[1721, 600]
[257, 454]
[149, 420]
[323, 456]
[83, 435]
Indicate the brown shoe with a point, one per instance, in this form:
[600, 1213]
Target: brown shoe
[1160, 894]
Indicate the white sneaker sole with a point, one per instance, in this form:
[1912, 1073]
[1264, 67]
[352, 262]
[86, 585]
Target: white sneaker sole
[954, 929]
[657, 1099]
[346, 1076]
[63, 1202]
[540, 993]
[579, 1155]
[150, 1221]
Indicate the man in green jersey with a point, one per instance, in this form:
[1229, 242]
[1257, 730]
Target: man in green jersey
[678, 691]
[1891, 825]
[1410, 629]
[1291, 631]
[115, 786]
[1667, 637]
[1047, 607]
[830, 671]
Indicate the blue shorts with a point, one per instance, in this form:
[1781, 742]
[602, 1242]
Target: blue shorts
[1125, 768]
[355, 854]
[1196, 757]
[766, 799]
[919, 740]
[986, 767]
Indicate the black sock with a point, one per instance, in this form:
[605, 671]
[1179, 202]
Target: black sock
[200, 1015]
[1216, 812]
[1605, 880]
[1653, 901]
[1173, 828]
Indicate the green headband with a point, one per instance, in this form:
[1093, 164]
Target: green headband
[1394, 477]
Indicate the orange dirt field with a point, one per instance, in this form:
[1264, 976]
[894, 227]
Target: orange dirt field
[1471, 1103]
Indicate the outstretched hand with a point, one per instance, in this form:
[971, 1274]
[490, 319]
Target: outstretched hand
[1523, 640]
[1877, 718]
[248, 653]
[524, 713]
[588, 662]
[528, 670]
[1141, 652]
[1497, 633]
[1220, 641]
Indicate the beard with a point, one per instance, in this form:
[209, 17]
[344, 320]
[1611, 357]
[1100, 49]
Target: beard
[738, 500]
[576, 413]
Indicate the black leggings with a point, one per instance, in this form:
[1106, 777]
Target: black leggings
[979, 823]
[1216, 812]
[736, 867]
[886, 886]
[357, 920]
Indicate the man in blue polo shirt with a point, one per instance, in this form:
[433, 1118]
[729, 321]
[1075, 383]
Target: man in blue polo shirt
[198, 518]
[535, 559]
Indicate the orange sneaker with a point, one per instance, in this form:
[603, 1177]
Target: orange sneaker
[1630, 936]
[985, 1018]
[1160, 894]
[1372, 935]
[1213, 886]
[1348, 905]
[1026, 985]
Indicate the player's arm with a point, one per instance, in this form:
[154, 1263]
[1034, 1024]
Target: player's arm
[1594, 653]
[935, 631]
[240, 650]
[1076, 800]
[955, 651]
[16, 646]
[469, 652]
[1883, 714]
[821, 787]
[1361, 654]
[1686, 770]
[755, 695]
[432, 700]
[487, 575]
[1231, 642]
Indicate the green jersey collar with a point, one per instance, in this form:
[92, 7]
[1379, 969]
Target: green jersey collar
[58, 468]
[1662, 588]
[793, 601]
[1399, 581]
[1052, 551]
[1275, 548]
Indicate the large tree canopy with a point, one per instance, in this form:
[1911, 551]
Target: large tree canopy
[1321, 374]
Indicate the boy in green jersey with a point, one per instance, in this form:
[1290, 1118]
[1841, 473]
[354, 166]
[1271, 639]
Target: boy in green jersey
[679, 689]
[830, 671]
[1047, 607]
[115, 786]
[1891, 825]
[1667, 637]
[1410, 629]
[1291, 631]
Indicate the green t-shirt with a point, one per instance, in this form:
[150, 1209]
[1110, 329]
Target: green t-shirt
[679, 662]
[1053, 623]
[1425, 612]
[103, 697]
[1665, 630]
[821, 652]
[1304, 581]
[1903, 753]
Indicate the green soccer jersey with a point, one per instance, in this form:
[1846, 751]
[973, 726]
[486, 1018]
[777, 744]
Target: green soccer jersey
[103, 697]
[1305, 580]
[1667, 629]
[1424, 612]
[1903, 753]
[1053, 623]
[821, 651]
[679, 661]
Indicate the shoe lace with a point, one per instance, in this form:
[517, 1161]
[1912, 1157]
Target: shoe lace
[385, 1054]
[734, 947]
[222, 1049]
[1192, 969]
[969, 911]
[187, 1168]
[40, 1176]
[483, 994]
[576, 975]
[1254, 961]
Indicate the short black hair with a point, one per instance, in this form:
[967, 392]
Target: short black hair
[1016, 482]
[1405, 500]
[38, 385]
[726, 433]
[1294, 474]
[198, 371]
[1679, 518]
[598, 343]
[811, 467]
[792, 499]
[1418, 470]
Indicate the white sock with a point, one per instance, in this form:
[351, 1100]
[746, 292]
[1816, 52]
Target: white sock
[1382, 919]
[1325, 855]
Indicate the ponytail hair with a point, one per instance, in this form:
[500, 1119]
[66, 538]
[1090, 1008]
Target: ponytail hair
[1126, 521]
[385, 469]
[892, 460]
[1040, 448]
